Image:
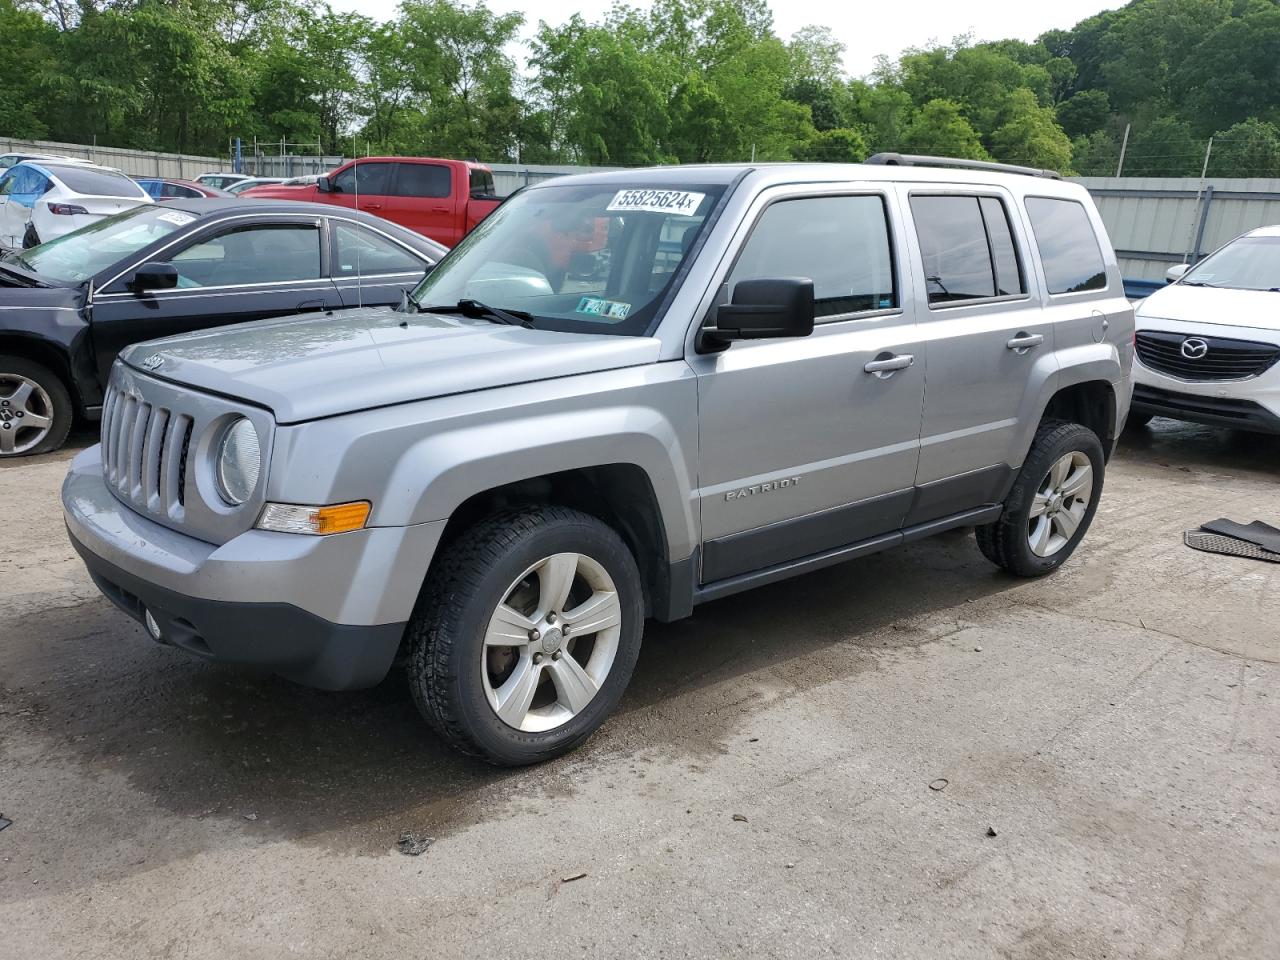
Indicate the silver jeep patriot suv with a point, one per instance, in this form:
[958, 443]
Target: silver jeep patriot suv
[622, 395]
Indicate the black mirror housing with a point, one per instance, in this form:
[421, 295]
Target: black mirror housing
[764, 309]
[323, 185]
[155, 276]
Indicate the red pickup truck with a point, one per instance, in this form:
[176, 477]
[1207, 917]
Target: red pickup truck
[441, 199]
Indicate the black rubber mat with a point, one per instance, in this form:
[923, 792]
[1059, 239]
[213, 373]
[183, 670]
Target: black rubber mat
[1231, 546]
[1261, 534]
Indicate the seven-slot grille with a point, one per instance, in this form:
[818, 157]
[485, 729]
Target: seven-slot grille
[144, 452]
[1224, 359]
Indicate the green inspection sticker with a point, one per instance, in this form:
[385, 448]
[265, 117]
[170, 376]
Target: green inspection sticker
[594, 306]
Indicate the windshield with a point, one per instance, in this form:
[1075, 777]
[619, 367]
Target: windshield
[594, 258]
[1251, 263]
[78, 256]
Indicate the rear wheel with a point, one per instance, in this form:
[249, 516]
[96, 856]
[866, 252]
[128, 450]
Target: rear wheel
[35, 408]
[1052, 502]
[526, 634]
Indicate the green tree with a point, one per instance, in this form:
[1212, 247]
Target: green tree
[1247, 149]
[1165, 147]
[940, 130]
[1084, 112]
[834, 146]
[1028, 134]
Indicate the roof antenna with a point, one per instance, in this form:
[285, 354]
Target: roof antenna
[355, 179]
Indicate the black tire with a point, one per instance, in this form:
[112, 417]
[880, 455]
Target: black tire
[468, 581]
[1005, 542]
[30, 238]
[1138, 420]
[61, 409]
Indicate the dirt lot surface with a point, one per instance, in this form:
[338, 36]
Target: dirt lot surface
[764, 791]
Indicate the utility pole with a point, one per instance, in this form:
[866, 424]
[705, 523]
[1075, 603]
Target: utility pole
[1124, 146]
[1204, 171]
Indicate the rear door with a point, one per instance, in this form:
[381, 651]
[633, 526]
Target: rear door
[231, 272]
[424, 202]
[990, 344]
[803, 448]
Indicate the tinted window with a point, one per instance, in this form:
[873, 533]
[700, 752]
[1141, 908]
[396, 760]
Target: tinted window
[424, 180]
[953, 246]
[97, 183]
[171, 191]
[375, 178]
[363, 251]
[1003, 252]
[7, 182]
[263, 253]
[841, 243]
[482, 183]
[1068, 247]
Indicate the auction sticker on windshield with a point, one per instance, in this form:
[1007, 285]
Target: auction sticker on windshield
[176, 217]
[656, 201]
[594, 306]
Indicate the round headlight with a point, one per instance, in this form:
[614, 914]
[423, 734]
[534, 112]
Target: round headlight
[239, 462]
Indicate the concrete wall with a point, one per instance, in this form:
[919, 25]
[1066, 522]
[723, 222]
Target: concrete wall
[138, 163]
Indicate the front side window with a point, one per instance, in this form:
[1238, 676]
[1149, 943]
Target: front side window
[590, 258]
[840, 243]
[1068, 246]
[262, 253]
[424, 180]
[363, 252]
[370, 178]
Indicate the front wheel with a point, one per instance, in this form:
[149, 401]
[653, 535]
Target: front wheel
[1052, 502]
[35, 408]
[526, 634]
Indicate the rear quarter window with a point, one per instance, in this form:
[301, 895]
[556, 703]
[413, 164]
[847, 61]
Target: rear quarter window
[1069, 248]
[97, 183]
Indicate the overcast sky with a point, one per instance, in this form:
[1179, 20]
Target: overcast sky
[866, 29]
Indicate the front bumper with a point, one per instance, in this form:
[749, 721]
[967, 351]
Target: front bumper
[328, 612]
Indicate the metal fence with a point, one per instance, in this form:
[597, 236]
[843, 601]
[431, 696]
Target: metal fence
[138, 163]
[510, 177]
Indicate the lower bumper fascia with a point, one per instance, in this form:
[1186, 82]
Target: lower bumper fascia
[271, 637]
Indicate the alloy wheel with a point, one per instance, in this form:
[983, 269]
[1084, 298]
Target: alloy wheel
[551, 642]
[26, 414]
[1060, 504]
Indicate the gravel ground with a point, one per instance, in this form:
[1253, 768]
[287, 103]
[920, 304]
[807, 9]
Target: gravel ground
[770, 786]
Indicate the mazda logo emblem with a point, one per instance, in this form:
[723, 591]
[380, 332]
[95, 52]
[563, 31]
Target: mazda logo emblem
[1193, 348]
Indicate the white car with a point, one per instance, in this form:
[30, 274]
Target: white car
[40, 201]
[1208, 344]
[220, 181]
[8, 160]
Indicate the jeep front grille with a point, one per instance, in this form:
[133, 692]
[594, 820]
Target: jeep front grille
[1223, 360]
[144, 452]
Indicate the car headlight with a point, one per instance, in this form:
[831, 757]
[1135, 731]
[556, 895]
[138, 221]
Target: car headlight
[239, 462]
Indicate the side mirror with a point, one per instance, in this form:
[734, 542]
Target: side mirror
[155, 276]
[763, 309]
[1176, 273]
[323, 185]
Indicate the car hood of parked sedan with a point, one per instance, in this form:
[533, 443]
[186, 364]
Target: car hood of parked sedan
[1211, 305]
[327, 364]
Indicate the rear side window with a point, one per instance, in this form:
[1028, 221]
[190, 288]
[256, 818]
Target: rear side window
[424, 180]
[841, 243]
[374, 178]
[482, 184]
[97, 183]
[967, 248]
[1068, 246]
[365, 251]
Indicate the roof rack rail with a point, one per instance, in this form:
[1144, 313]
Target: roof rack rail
[915, 160]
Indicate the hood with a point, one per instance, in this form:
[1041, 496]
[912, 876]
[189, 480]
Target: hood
[1212, 306]
[329, 364]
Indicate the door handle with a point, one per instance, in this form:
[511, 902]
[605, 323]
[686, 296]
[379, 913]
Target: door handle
[306, 305]
[1025, 341]
[886, 365]
[370, 206]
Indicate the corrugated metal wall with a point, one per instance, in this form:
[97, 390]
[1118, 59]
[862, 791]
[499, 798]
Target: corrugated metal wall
[510, 177]
[1157, 222]
[138, 163]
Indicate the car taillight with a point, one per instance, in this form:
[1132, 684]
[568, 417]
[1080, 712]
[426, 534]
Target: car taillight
[66, 209]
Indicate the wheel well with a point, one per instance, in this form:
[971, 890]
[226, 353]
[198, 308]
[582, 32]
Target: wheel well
[619, 494]
[46, 355]
[1091, 404]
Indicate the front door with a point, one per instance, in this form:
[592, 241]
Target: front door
[231, 273]
[365, 185]
[807, 445]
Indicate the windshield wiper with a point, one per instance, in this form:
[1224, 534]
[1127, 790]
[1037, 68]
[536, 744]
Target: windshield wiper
[482, 311]
[1198, 283]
